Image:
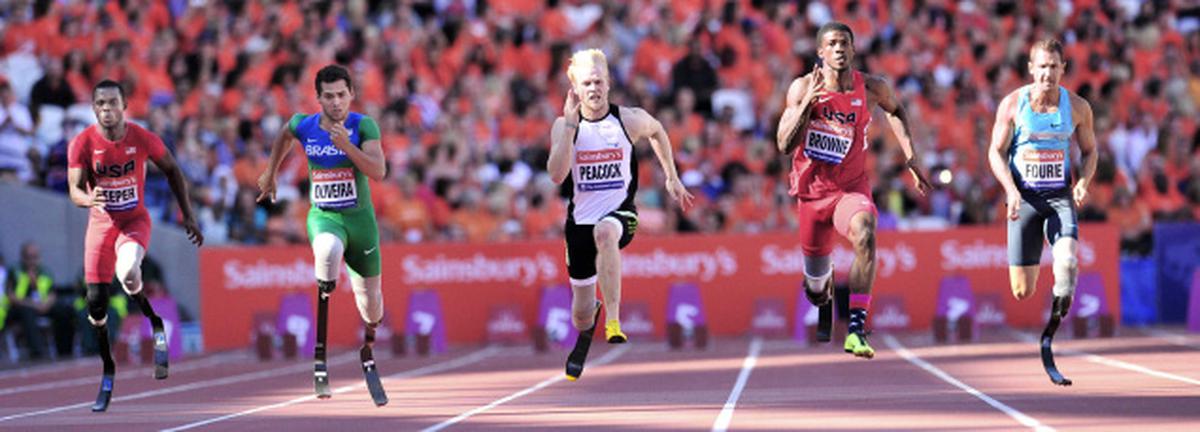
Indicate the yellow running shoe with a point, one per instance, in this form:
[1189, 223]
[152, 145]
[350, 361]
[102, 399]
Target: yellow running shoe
[857, 344]
[612, 331]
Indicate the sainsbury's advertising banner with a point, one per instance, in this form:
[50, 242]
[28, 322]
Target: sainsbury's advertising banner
[732, 272]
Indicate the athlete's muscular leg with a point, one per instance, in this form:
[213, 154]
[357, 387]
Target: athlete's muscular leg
[1023, 280]
[862, 237]
[368, 296]
[327, 256]
[583, 305]
[607, 234]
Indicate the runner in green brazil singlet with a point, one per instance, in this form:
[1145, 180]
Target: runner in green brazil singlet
[343, 151]
[340, 195]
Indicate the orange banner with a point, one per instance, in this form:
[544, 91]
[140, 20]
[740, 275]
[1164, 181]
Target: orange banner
[732, 272]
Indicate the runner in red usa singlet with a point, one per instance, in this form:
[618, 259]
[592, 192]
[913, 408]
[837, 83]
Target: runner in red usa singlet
[106, 172]
[825, 125]
[831, 159]
[118, 169]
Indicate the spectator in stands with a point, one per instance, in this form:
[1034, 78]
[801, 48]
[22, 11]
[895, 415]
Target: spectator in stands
[465, 85]
[52, 90]
[16, 137]
[1133, 219]
[29, 289]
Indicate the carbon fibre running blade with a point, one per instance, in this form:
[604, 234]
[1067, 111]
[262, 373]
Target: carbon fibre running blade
[371, 374]
[321, 380]
[105, 394]
[161, 355]
[825, 322]
[1056, 377]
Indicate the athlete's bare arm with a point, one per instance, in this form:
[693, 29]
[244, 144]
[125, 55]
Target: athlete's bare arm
[1002, 133]
[803, 93]
[368, 159]
[78, 188]
[562, 135]
[166, 164]
[279, 150]
[1086, 137]
[642, 125]
[880, 92]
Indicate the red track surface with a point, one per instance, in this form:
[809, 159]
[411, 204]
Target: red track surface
[1137, 381]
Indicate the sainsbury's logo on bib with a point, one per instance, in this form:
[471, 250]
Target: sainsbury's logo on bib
[596, 156]
[1044, 156]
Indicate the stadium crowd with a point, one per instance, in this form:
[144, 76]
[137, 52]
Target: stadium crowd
[465, 92]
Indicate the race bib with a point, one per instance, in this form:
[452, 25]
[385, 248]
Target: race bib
[599, 169]
[334, 189]
[826, 147]
[1042, 169]
[120, 194]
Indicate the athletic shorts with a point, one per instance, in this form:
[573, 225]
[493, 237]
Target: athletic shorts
[820, 217]
[581, 245]
[104, 236]
[1039, 217]
[359, 234]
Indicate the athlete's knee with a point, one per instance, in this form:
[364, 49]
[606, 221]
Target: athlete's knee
[97, 303]
[862, 233]
[368, 295]
[607, 233]
[129, 267]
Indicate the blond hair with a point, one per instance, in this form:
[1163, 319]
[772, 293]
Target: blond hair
[584, 59]
[1049, 45]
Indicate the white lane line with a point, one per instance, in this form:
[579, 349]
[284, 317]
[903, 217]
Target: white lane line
[1173, 338]
[346, 357]
[1138, 368]
[123, 375]
[1020, 417]
[440, 367]
[1099, 359]
[722, 423]
[606, 358]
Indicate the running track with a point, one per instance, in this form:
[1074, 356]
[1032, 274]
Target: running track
[1140, 380]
